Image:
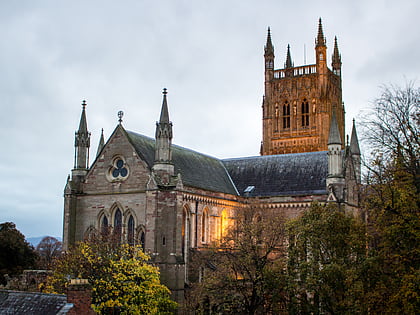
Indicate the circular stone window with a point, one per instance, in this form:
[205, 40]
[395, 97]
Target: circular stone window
[118, 170]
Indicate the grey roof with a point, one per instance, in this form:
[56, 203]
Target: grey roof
[280, 175]
[197, 169]
[34, 303]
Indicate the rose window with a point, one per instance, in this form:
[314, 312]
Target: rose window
[119, 169]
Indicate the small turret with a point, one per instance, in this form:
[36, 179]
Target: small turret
[82, 143]
[321, 58]
[269, 48]
[163, 136]
[269, 52]
[335, 178]
[336, 59]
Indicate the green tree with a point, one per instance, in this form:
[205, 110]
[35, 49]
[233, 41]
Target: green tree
[327, 250]
[392, 202]
[123, 282]
[16, 253]
[244, 272]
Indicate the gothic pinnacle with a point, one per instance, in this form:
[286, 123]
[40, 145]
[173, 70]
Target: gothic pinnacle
[336, 59]
[289, 63]
[320, 41]
[83, 122]
[164, 114]
[269, 49]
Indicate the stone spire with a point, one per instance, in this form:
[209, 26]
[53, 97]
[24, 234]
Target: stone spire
[101, 143]
[288, 63]
[320, 41]
[163, 134]
[334, 135]
[336, 58]
[269, 48]
[82, 142]
[354, 142]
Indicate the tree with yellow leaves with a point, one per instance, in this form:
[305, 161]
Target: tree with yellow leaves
[123, 282]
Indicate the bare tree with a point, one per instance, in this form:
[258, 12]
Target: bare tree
[392, 129]
[392, 201]
[48, 249]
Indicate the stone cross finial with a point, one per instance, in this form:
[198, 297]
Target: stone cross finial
[120, 116]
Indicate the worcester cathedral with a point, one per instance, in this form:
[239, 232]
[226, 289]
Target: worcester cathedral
[170, 199]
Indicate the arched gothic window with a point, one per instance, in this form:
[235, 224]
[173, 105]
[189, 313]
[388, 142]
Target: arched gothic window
[118, 223]
[186, 232]
[204, 226]
[104, 225]
[130, 230]
[286, 115]
[143, 240]
[224, 223]
[305, 113]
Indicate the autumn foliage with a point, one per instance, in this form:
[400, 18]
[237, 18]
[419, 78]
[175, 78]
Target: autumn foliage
[123, 282]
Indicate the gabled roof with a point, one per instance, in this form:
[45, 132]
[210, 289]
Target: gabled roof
[197, 169]
[280, 175]
[34, 303]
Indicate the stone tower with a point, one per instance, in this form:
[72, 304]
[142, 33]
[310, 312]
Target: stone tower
[299, 102]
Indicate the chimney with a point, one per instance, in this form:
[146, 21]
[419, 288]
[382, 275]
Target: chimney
[79, 293]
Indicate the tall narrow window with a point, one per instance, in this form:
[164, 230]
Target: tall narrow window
[286, 115]
[118, 224]
[305, 113]
[186, 233]
[104, 225]
[204, 226]
[143, 240]
[130, 230]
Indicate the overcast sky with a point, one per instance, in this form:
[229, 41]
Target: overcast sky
[118, 55]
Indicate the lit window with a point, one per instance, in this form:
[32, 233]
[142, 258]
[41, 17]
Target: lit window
[204, 226]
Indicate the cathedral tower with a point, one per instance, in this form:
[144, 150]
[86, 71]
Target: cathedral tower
[299, 101]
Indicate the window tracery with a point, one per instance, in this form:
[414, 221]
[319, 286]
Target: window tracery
[119, 169]
[286, 115]
[305, 113]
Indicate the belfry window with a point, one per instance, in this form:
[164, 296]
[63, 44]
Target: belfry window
[305, 113]
[286, 115]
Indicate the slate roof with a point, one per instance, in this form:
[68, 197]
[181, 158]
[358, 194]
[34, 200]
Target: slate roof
[280, 175]
[272, 175]
[34, 303]
[197, 169]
